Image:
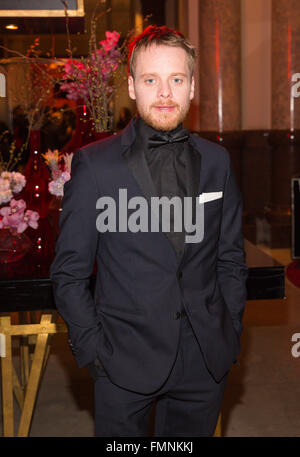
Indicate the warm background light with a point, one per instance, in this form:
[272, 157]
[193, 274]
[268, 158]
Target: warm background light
[11, 27]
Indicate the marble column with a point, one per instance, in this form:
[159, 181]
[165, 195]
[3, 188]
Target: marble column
[220, 65]
[285, 133]
[138, 17]
[188, 24]
[285, 63]
[220, 76]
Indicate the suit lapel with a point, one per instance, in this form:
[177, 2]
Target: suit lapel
[137, 164]
[193, 170]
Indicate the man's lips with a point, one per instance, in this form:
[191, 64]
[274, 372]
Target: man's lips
[165, 108]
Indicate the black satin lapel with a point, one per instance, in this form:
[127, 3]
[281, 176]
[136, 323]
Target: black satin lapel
[137, 164]
[193, 171]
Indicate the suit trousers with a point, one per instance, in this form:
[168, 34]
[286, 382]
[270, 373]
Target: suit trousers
[187, 404]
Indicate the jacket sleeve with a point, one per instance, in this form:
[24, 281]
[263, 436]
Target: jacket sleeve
[231, 268]
[73, 264]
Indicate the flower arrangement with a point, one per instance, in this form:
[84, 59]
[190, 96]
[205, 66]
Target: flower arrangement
[94, 79]
[83, 76]
[60, 167]
[10, 183]
[15, 217]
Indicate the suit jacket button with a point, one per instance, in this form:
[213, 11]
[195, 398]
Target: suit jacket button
[177, 315]
[71, 347]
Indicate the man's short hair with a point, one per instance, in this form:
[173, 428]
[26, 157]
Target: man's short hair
[160, 36]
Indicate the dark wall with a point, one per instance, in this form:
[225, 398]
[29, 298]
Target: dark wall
[156, 9]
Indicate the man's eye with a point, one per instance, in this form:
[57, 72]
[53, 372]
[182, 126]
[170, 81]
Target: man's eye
[177, 80]
[150, 81]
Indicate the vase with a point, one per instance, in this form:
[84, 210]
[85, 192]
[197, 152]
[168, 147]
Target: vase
[13, 245]
[55, 203]
[85, 132]
[55, 209]
[37, 177]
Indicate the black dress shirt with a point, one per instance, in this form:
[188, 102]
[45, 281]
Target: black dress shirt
[167, 165]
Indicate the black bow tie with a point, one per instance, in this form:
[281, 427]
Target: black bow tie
[159, 139]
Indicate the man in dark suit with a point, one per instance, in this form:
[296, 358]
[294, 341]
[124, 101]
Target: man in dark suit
[163, 322]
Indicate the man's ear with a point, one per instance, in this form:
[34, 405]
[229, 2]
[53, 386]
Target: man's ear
[131, 90]
[192, 91]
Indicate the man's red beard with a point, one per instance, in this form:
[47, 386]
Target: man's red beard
[160, 120]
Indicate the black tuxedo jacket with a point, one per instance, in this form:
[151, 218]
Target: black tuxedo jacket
[130, 321]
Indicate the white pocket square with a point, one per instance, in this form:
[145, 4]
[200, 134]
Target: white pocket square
[209, 196]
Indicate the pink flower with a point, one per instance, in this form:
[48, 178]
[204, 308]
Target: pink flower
[56, 187]
[68, 161]
[5, 211]
[10, 183]
[13, 216]
[10, 219]
[21, 227]
[69, 66]
[12, 213]
[111, 40]
[17, 205]
[56, 174]
[66, 176]
[30, 219]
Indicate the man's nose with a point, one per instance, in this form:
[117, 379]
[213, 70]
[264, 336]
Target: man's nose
[165, 90]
